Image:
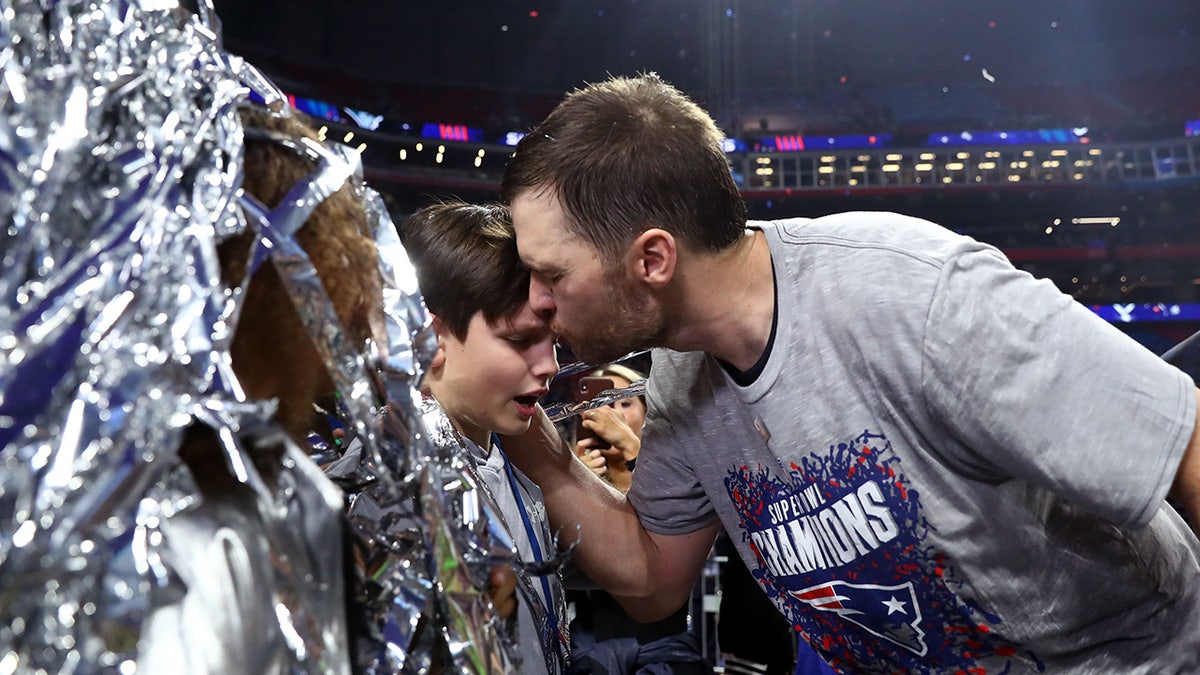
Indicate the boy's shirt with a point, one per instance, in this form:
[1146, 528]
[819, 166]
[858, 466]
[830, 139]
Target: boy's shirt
[541, 616]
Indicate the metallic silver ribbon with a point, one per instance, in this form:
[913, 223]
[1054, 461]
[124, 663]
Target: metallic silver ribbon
[120, 170]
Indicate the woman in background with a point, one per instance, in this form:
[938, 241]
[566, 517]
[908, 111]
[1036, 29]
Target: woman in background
[605, 640]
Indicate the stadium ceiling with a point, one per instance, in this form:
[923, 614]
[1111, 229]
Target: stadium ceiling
[732, 44]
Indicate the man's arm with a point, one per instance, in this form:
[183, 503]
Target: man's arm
[650, 574]
[1186, 488]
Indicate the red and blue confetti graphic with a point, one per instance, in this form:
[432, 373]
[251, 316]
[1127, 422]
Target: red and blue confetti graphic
[842, 547]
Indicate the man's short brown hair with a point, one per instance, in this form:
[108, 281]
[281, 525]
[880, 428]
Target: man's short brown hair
[466, 260]
[629, 154]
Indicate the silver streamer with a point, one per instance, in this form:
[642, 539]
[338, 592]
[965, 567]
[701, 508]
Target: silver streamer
[425, 533]
[566, 410]
[568, 369]
[120, 171]
[477, 496]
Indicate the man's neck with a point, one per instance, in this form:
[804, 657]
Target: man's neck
[726, 302]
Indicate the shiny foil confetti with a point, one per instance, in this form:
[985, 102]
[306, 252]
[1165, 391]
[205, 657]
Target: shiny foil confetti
[121, 156]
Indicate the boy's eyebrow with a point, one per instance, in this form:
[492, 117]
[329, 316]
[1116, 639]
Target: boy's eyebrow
[525, 324]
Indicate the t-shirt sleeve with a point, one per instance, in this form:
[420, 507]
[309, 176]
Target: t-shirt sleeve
[1033, 385]
[666, 493]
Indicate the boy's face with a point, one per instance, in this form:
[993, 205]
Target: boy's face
[491, 380]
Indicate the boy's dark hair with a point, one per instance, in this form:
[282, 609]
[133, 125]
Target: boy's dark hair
[466, 260]
[629, 154]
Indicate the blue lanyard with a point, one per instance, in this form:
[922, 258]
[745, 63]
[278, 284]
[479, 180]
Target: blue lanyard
[551, 606]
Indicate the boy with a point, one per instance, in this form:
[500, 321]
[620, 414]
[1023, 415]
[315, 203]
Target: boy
[495, 358]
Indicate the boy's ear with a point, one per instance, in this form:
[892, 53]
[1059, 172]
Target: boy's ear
[439, 357]
[654, 254]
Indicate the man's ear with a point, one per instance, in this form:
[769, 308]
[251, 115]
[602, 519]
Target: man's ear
[439, 357]
[654, 254]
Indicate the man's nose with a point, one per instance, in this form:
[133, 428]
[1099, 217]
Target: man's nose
[540, 299]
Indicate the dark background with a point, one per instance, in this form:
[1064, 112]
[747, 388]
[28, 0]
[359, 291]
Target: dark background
[721, 51]
[1128, 71]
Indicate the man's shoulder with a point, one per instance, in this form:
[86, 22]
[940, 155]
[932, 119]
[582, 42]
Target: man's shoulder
[853, 223]
[890, 234]
[675, 379]
[668, 365]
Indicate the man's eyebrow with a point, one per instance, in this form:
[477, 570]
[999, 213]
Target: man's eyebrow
[548, 267]
[526, 259]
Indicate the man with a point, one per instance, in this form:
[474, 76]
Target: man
[930, 461]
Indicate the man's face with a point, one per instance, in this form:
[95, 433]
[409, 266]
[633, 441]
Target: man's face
[602, 315]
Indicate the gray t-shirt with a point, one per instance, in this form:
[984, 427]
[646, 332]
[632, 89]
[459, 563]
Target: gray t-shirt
[945, 464]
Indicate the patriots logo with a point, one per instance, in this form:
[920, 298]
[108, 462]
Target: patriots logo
[890, 612]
